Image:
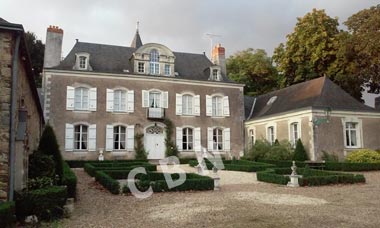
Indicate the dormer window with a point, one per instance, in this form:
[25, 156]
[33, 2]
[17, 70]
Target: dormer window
[215, 73]
[141, 67]
[154, 64]
[82, 61]
[167, 70]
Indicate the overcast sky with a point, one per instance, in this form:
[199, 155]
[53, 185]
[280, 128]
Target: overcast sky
[179, 24]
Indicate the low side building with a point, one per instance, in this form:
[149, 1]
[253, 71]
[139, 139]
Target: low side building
[318, 112]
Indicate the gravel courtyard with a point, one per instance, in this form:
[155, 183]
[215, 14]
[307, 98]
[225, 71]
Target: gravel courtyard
[241, 202]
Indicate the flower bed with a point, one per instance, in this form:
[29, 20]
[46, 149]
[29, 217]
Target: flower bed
[237, 165]
[310, 177]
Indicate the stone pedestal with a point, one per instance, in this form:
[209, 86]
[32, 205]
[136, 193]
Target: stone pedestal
[216, 183]
[294, 180]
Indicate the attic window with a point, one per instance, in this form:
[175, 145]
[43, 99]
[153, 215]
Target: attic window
[214, 74]
[272, 100]
[82, 61]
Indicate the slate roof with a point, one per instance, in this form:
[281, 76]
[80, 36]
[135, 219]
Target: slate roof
[248, 103]
[316, 93]
[116, 59]
[136, 42]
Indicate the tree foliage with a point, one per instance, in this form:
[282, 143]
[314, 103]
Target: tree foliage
[36, 51]
[300, 152]
[141, 153]
[255, 69]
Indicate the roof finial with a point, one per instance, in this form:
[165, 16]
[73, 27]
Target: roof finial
[137, 26]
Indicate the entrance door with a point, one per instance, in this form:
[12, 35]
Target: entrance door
[155, 142]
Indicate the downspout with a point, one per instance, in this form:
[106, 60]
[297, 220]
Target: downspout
[12, 115]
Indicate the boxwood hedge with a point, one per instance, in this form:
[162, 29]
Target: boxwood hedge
[70, 180]
[108, 182]
[237, 165]
[80, 163]
[91, 168]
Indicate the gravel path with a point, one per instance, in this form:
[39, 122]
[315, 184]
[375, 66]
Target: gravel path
[248, 204]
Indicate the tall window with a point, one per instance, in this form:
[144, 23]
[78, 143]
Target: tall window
[119, 100]
[81, 98]
[217, 138]
[351, 134]
[80, 137]
[154, 99]
[154, 62]
[294, 134]
[252, 137]
[167, 69]
[119, 136]
[187, 104]
[141, 67]
[217, 106]
[270, 136]
[187, 139]
[82, 62]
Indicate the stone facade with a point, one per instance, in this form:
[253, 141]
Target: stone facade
[27, 103]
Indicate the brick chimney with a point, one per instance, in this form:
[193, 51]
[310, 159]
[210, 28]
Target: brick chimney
[377, 103]
[53, 46]
[219, 57]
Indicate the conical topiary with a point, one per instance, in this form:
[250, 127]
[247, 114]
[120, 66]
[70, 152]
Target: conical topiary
[300, 152]
[49, 146]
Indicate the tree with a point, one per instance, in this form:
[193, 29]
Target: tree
[300, 152]
[49, 146]
[36, 51]
[364, 46]
[253, 68]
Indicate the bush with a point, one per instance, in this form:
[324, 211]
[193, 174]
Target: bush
[70, 180]
[329, 157]
[270, 176]
[49, 146]
[237, 165]
[108, 182]
[41, 165]
[264, 150]
[7, 214]
[80, 163]
[91, 168]
[364, 156]
[300, 152]
[39, 182]
[141, 153]
[283, 164]
[46, 203]
[349, 166]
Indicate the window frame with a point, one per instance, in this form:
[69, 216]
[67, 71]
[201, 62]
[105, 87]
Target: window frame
[218, 106]
[139, 68]
[120, 139]
[348, 130]
[152, 95]
[81, 140]
[271, 135]
[119, 93]
[154, 62]
[295, 125]
[185, 139]
[187, 104]
[217, 139]
[167, 70]
[252, 138]
[82, 101]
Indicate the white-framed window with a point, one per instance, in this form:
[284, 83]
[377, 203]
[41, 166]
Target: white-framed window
[154, 99]
[187, 104]
[119, 100]
[154, 64]
[295, 133]
[352, 134]
[217, 106]
[141, 67]
[187, 139]
[271, 137]
[215, 74]
[167, 70]
[119, 137]
[81, 98]
[217, 139]
[82, 62]
[80, 137]
[251, 136]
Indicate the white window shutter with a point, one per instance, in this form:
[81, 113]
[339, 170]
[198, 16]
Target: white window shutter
[226, 106]
[130, 101]
[92, 99]
[178, 104]
[197, 139]
[92, 137]
[208, 105]
[197, 105]
[109, 99]
[109, 138]
[226, 139]
[145, 99]
[70, 96]
[69, 137]
[179, 138]
[131, 137]
[209, 139]
[165, 99]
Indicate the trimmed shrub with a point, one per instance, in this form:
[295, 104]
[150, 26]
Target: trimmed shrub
[108, 182]
[41, 165]
[46, 203]
[283, 163]
[7, 214]
[264, 150]
[91, 169]
[80, 163]
[39, 182]
[237, 165]
[364, 156]
[348, 166]
[271, 177]
[70, 180]
[49, 146]
[140, 151]
[300, 152]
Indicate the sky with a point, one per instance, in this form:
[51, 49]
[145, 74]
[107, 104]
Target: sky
[181, 25]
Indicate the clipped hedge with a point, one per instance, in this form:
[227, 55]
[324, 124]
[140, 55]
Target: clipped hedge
[311, 177]
[70, 180]
[91, 169]
[80, 163]
[237, 165]
[348, 166]
[193, 182]
[46, 203]
[7, 214]
[284, 163]
[108, 182]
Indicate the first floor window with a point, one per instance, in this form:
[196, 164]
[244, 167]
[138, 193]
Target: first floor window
[81, 98]
[270, 135]
[119, 100]
[187, 139]
[217, 138]
[351, 134]
[187, 104]
[217, 106]
[294, 134]
[80, 137]
[252, 137]
[119, 136]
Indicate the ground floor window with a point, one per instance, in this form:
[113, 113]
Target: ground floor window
[294, 133]
[119, 136]
[351, 134]
[80, 137]
[187, 139]
[270, 135]
[217, 138]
